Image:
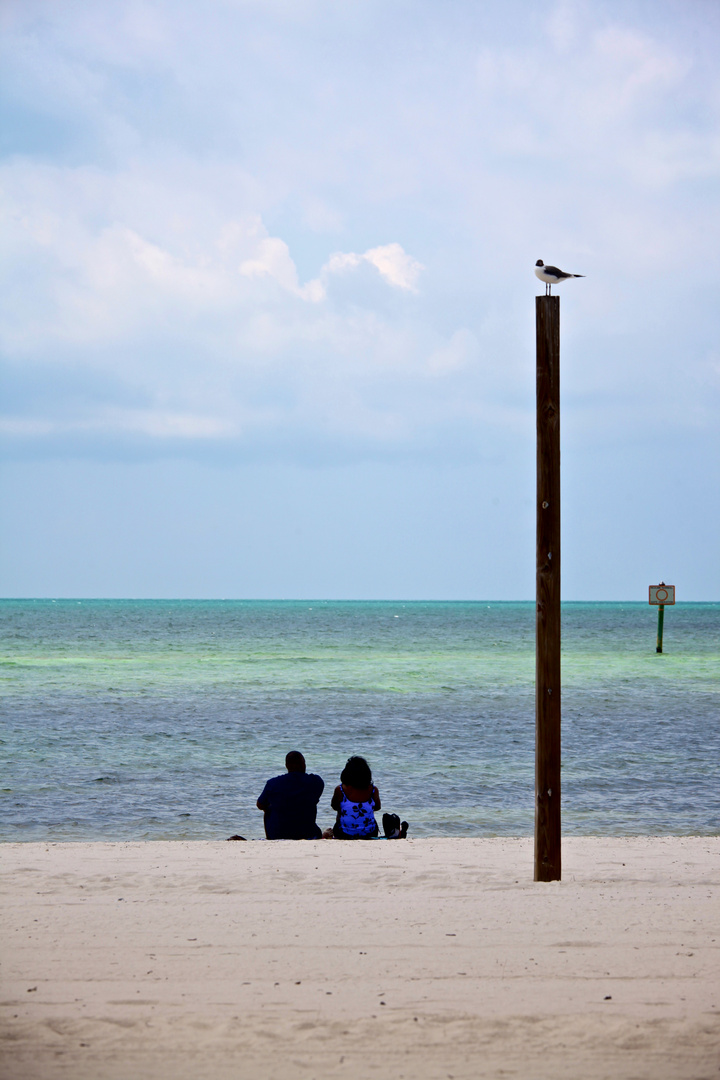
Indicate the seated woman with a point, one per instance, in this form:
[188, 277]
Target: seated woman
[356, 800]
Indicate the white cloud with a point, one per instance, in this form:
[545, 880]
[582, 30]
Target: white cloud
[206, 321]
[272, 258]
[203, 234]
[393, 264]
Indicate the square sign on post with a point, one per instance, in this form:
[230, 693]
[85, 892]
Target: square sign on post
[662, 594]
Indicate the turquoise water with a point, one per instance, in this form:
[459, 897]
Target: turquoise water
[163, 719]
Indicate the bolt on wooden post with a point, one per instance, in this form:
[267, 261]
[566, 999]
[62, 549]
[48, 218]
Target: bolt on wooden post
[547, 593]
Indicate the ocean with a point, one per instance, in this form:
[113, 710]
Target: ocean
[161, 720]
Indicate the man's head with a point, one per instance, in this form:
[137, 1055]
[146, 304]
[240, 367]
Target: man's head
[295, 762]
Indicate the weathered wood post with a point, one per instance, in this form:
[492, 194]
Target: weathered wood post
[547, 593]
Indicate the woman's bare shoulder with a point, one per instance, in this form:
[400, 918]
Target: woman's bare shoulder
[336, 799]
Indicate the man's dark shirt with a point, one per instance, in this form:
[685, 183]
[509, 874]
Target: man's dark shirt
[290, 803]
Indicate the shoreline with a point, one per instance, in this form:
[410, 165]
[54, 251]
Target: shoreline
[422, 958]
[568, 838]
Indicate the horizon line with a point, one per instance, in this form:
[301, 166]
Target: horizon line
[308, 600]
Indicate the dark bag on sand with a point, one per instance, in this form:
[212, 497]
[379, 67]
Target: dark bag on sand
[393, 827]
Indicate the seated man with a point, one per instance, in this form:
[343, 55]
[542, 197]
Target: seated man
[289, 802]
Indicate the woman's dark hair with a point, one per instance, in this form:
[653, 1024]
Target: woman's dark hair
[356, 773]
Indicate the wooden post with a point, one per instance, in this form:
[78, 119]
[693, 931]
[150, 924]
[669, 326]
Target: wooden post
[547, 593]
[661, 617]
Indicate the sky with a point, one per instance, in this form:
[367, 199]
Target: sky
[267, 308]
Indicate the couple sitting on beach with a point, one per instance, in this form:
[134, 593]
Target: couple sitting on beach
[289, 803]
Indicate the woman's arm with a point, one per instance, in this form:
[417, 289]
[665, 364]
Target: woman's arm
[336, 801]
[376, 798]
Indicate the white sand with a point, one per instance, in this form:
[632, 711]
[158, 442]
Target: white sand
[417, 959]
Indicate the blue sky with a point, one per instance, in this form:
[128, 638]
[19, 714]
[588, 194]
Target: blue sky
[267, 315]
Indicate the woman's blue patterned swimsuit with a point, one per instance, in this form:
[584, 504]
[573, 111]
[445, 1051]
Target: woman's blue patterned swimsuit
[357, 819]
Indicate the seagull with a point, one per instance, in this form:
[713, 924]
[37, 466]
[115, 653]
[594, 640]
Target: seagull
[551, 275]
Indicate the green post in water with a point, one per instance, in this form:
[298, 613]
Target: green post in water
[661, 616]
[661, 595]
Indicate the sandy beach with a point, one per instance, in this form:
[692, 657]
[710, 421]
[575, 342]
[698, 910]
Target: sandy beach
[426, 958]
